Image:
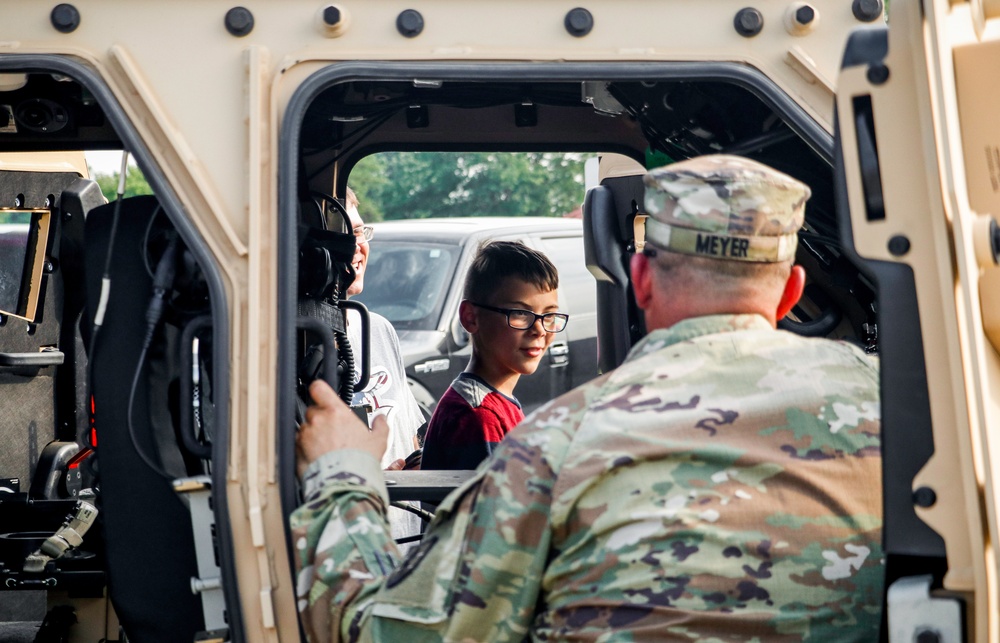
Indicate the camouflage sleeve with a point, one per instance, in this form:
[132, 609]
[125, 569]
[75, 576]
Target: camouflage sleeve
[343, 547]
[475, 576]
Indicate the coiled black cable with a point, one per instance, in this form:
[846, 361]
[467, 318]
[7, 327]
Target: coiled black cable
[346, 361]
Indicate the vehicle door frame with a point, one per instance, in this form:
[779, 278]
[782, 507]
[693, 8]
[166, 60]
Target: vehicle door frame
[909, 213]
[172, 207]
[797, 118]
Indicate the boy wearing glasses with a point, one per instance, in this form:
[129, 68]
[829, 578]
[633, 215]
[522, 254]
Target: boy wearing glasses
[510, 310]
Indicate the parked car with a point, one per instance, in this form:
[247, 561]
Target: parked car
[415, 276]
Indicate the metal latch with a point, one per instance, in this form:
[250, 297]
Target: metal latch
[915, 615]
[208, 584]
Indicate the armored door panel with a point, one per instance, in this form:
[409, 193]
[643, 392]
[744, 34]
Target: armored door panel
[917, 186]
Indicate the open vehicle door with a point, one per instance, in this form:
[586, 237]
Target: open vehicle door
[917, 168]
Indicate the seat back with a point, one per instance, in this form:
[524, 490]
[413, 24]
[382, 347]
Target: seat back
[608, 214]
[148, 534]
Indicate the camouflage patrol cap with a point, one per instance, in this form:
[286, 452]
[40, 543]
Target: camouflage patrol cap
[725, 207]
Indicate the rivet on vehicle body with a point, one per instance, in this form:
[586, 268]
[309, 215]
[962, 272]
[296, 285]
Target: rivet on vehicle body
[924, 497]
[410, 23]
[899, 245]
[332, 20]
[801, 18]
[578, 22]
[239, 21]
[986, 240]
[867, 10]
[877, 74]
[748, 22]
[927, 635]
[65, 18]
[994, 237]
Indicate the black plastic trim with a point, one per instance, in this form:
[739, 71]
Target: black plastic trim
[314, 325]
[41, 358]
[613, 286]
[866, 47]
[907, 436]
[868, 160]
[89, 78]
[366, 333]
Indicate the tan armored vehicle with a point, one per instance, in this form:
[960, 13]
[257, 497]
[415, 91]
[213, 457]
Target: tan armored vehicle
[151, 348]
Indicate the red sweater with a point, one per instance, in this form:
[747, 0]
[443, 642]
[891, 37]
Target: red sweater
[470, 420]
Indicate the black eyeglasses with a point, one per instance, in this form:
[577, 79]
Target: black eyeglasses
[519, 319]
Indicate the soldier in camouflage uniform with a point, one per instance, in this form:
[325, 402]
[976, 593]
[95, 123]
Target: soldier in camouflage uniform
[723, 484]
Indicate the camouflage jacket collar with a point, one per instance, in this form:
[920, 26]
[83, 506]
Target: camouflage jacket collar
[696, 327]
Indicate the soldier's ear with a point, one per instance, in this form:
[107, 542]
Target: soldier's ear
[642, 280]
[793, 291]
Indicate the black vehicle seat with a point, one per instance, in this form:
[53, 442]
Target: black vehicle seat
[76, 202]
[147, 528]
[51, 478]
[608, 213]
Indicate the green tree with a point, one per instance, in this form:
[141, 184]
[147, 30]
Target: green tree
[135, 184]
[368, 181]
[407, 185]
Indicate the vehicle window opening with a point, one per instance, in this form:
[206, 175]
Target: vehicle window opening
[646, 122]
[650, 121]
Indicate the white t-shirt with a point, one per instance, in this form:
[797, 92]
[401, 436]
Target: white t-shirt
[388, 394]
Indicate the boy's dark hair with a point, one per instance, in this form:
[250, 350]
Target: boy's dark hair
[497, 260]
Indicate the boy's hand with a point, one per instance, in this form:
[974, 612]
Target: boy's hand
[331, 425]
[396, 465]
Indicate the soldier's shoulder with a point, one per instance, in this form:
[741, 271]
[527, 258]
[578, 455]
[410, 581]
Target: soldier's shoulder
[838, 350]
[553, 425]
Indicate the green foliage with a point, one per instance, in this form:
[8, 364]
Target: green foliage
[15, 217]
[418, 185]
[135, 184]
[408, 185]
